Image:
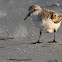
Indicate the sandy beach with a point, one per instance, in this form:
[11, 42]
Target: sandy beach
[17, 34]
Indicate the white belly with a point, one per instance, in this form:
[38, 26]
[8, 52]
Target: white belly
[50, 26]
[45, 25]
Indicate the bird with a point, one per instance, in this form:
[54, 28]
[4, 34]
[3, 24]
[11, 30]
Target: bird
[46, 20]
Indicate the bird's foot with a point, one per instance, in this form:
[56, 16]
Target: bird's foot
[37, 42]
[54, 41]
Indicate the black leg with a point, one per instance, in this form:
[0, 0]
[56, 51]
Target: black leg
[39, 37]
[54, 41]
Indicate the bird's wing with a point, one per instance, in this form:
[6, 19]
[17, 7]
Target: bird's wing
[56, 18]
[46, 13]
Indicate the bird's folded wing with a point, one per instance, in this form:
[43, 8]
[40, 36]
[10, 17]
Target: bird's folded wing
[56, 18]
[46, 13]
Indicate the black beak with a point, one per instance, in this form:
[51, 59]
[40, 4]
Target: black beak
[27, 16]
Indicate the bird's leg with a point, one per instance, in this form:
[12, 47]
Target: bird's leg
[39, 37]
[54, 41]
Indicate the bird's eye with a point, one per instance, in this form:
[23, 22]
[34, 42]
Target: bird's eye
[34, 9]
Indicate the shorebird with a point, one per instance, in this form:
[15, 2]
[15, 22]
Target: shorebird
[45, 19]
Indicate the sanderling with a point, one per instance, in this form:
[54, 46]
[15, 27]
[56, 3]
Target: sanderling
[45, 19]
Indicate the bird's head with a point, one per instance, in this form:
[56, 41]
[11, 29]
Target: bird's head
[33, 10]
